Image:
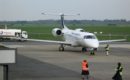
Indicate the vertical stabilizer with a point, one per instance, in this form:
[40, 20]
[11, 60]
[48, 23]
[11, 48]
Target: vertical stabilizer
[62, 21]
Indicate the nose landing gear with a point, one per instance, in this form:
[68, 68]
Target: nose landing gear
[84, 49]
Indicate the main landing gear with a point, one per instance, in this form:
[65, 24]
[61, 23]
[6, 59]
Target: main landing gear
[84, 49]
[61, 48]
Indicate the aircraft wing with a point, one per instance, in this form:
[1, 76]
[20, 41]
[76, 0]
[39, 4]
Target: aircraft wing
[49, 41]
[108, 41]
[3, 45]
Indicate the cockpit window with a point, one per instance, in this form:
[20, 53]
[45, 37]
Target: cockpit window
[89, 37]
[82, 30]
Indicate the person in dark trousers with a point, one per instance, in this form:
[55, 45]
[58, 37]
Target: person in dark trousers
[107, 49]
[85, 70]
[118, 74]
[92, 52]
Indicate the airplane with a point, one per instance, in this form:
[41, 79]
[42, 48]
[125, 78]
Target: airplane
[75, 38]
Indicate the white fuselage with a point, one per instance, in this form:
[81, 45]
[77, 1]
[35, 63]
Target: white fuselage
[81, 39]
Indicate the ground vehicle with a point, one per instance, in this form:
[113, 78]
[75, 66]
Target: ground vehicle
[13, 34]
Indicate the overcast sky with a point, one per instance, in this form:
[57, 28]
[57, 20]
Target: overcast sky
[88, 9]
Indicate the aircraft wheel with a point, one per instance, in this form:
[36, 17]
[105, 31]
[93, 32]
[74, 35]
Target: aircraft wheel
[61, 48]
[84, 49]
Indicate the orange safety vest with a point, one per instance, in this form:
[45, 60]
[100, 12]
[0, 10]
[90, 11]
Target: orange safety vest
[84, 67]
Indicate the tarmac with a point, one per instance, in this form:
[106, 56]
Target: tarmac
[43, 61]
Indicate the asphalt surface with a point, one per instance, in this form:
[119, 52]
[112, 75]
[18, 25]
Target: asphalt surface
[42, 61]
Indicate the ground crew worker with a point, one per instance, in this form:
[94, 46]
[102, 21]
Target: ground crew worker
[107, 49]
[118, 74]
[85, 70]
[92, 52]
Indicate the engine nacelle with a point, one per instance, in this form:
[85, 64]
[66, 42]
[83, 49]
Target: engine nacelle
[57, 32]
[79, 29]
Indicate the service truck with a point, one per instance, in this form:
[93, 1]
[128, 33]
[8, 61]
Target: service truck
[13, 34]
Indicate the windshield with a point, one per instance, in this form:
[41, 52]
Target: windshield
[24, 32]
[89, 37]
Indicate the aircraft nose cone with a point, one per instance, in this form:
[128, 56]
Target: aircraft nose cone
[95, 45]
[92, 43]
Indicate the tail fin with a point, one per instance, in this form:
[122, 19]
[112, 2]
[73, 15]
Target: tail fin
[62, 21]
